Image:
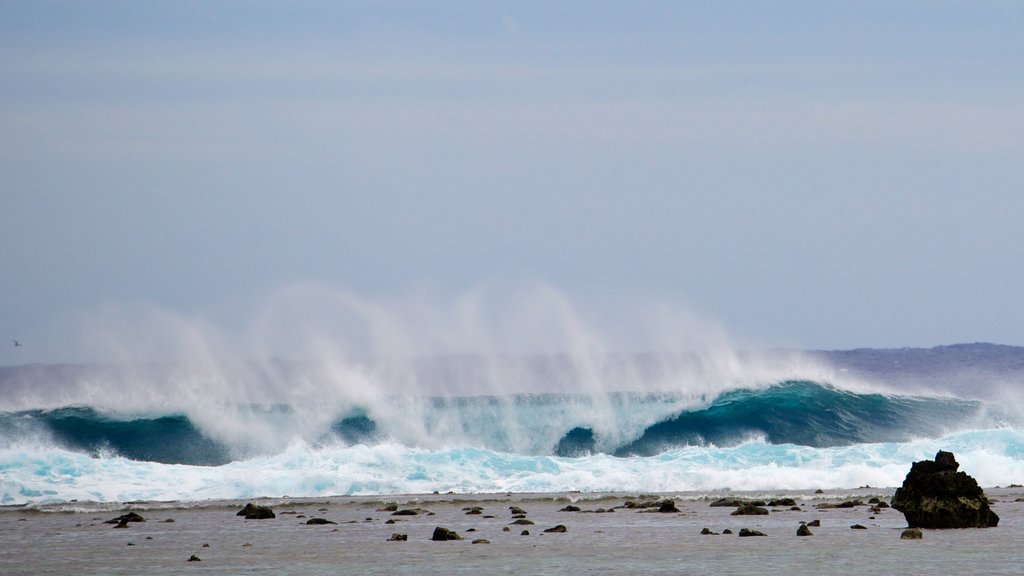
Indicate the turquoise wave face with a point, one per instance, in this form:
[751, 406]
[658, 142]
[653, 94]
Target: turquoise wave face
[795, 413]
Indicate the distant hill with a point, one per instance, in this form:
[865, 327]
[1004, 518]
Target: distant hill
[956, 367]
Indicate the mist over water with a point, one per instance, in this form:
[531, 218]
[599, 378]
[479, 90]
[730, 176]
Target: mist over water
[320, 391]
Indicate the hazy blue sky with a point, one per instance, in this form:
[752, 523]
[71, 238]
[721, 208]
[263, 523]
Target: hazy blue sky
[812, 174]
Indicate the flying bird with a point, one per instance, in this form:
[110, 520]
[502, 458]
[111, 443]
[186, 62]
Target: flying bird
[16, 343]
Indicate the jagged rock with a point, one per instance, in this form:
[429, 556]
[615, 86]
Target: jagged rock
[256, 512]
[443, 534]
[912, 534]
[744, 532]
[668, 507]
[803, 530]
[396, 537]
[558, 529]
[935, 495]
[749, 510]
[707, 532]
[318, 521]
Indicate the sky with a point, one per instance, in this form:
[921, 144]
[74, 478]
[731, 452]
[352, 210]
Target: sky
[791, 174]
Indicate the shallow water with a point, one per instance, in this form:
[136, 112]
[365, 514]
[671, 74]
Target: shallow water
[49, 541]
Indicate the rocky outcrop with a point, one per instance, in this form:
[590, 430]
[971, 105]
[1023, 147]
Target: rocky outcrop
[803, 530]
[745, 532]
[936, 495]
[557, 529]
[668, 507]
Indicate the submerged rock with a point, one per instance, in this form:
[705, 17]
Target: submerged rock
[803, 530]
[935, 495]
[316, 521]
[744, 532]
[707, 532]
[396, 537]
[557, 529]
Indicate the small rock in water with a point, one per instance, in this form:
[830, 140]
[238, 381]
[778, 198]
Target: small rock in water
[744, 532]
[481, 541]
[814, 523]
[443, 534]
[522, 522]
[515, 510]
[320, 521]
[524, 533]
[912, 534]
[668, 507]
[571, 508]
[803, 530]
[396, 537]
[858, 527]
[194, 558]
[255, 512]
[749, 510]
[558, 529]
[707, 532]
[129, 517]
[726, 531]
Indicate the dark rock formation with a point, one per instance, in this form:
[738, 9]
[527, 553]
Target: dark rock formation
[444, 534]
[749, 510]
[803, 530]
[859, 527]
[481, 541]
[194, 558]
[744, 532]
[912, 534]
[935, 495]
[316, 521]
[558, 529]
[515, 510]
[782, 502]
[396, 537]
[473, 510]
[815, 523]
[571, 508]
[726, 531]
[846, 504]
[256, 512]
[707, 532]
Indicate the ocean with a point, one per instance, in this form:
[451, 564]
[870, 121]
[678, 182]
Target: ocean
[644, 423]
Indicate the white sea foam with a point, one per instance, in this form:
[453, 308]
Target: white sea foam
[44, 475]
